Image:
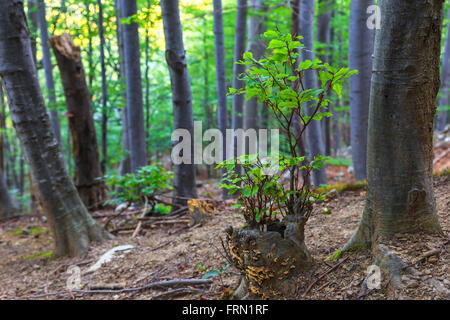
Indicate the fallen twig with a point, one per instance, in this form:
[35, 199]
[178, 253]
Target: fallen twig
[168, 283]
[175, 292]
[324, 274]
[423, 257]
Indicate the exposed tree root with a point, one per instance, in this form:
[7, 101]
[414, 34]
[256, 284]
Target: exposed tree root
[395, 268]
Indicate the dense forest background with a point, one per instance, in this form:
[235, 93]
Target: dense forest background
[81, 20]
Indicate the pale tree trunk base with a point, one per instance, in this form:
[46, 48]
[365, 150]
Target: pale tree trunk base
[269, 260]
[73, 235]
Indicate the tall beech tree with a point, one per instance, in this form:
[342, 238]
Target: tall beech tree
[256, 27]
[135, 111]
[184, 174]
[222, 109]
[71, 224]
[101, 34]
[313, 132]
[323, 38]
[444, 100]
[48, 69]
[125, 166]
[239, 49]
[360, 51]
[405, 84]
[81, 122]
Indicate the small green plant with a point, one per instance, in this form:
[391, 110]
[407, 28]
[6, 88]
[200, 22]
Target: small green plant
[140, 186]
[277, 82]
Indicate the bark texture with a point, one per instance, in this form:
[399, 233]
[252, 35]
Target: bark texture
[81, 122]
[136, 131]
[256, 28]
[47, 61]
[405, 83]
[444, 101]
[313, 132]
[221, 85]
[71, 224]
[323, 37]
[184, 174]
[239, 49]
[125, 166]
[360, 58]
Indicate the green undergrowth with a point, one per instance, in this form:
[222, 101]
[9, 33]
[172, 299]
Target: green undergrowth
[38, 255]
[341, 187]
[443, 173]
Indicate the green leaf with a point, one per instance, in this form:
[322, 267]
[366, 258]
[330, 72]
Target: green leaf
[247, 55]
[275, 43]
[270, 34]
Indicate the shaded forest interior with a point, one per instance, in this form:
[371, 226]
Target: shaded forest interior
[144, 133]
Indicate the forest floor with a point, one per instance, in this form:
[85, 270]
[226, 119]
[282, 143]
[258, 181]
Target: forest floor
[176, 251]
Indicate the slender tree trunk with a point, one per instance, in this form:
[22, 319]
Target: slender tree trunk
[400, 195]
[125, 166]
[238, 69]
[444, 101]
[147, 84]
[47, 60]
[313, 132]
[323, 37]
[8, 207]
[295, 31]
[360, 51]
[138, 157]
[222, 108]
[72, 226]
[256, 28]
[81, 122]
[33, 25]
[90, 46]
[104, 89]
[184, 182]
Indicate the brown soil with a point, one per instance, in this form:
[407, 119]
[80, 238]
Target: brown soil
[174, 251]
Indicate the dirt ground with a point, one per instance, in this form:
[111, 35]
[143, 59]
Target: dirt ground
[175, 251]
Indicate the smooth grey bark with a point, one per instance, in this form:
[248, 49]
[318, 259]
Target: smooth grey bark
[295, 31]
[104, 88]
[81, 122]
[8, 207]
[147, 84]
[405, 84]
[323, 37]
[47, 61]
[71, 224]
[360, 49]
[313, 132]
[90, 46]
[136, 130]
[444, 101]
[256, 28]
[125, 166]
[239, 49]
[221, 85]
[184, 174]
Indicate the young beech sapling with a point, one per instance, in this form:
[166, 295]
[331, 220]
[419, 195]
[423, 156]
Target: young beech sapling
[270, 249]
